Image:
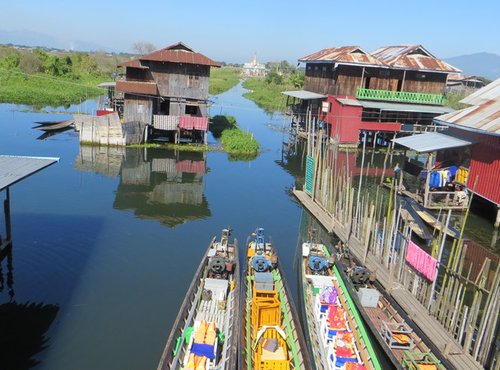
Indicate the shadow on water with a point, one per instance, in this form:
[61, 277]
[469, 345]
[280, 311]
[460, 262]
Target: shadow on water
[23, 325]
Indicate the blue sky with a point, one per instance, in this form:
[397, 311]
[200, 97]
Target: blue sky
[233, 31]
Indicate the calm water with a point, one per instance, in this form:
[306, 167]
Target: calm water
[106, 241]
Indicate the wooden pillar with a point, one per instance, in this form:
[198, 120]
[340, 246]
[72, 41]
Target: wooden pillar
[497, 220]
[4, 243]
[426, 189]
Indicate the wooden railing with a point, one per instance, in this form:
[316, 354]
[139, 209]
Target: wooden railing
[400, 96]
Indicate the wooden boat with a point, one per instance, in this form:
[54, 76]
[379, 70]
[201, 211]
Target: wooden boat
[271, 335]
[55, 126]
[205, 334]
[406, 346]
[336, 333]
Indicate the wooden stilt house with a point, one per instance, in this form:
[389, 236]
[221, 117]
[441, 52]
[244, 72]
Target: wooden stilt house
[166, 92]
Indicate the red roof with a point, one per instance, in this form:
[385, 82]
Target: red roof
[177, 53]
[343, 54]
[135, 87]
[412, 57]
[134, 63]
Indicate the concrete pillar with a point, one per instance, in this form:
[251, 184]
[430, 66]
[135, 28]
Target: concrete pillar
[497, 220]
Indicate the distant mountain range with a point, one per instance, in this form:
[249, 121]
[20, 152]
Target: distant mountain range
[479, 64]
[30, 38]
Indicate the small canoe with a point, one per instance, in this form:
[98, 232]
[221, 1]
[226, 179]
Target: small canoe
[205, 334]
[399, 337]
[271, 334]
[337, 336]
[55, 126]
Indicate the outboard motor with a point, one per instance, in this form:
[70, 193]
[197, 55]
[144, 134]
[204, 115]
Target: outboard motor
[260, 263]
[317, 263]
[217, 266]
[359, 275]
[260, 244]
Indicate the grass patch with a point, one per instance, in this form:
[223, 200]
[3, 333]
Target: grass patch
[236, 141]
[223, 79]
[266, 95]
[40, 90]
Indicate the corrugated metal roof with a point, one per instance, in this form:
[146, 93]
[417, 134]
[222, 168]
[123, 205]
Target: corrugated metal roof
[304, 94]
[401, 107]
[344, 55]
[176, 53]
[179, 53]
[489, 92]
[135, 87]
[105, 85]
[484, 117]
[16, 168]
[349, 101]
[412, 57]
[134, 63]
[431, 141]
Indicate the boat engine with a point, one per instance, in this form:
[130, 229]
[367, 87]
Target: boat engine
[317, 263]
[260, 263]
[359, 275]
[217, 266]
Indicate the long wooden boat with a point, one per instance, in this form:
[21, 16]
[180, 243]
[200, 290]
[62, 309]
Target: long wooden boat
[336, 332]
[271, 334]
[404, 343]
[205, 334]
[55, 126]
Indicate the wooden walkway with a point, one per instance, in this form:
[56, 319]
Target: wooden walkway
[443, 340]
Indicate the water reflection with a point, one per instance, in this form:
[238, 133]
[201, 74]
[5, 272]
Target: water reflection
[164, 185]
[23, 325]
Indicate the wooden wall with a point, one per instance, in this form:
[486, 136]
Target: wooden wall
[137, 109]
[323, 78]
[181, 80]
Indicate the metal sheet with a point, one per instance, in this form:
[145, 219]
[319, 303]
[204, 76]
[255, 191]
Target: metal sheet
[489, 92]
[343, 55]
[15, 168]
[430, 142]
[399, 107]
[412, 57]
[304, 95]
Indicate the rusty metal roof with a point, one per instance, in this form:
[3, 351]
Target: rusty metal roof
[179, 53]
[488, 92]
[176, 53]
[412, 57]
[344, 55]
[136, 87]
[483, 117]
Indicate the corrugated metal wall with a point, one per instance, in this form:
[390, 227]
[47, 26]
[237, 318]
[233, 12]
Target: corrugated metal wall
[484, 164]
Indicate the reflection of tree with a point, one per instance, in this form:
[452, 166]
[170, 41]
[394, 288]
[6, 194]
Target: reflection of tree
[23, 326]
[163, 185]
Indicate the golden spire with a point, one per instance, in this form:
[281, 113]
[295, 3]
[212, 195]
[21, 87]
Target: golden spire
[254, 61]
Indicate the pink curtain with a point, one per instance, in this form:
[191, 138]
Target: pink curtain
[193, 123]
[421, 261]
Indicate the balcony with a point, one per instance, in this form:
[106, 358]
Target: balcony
[400, 96]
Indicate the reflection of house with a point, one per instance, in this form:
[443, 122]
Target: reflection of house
[168, 91]
[254, 69]
[163, 186]
[352, 91]
[459, 82]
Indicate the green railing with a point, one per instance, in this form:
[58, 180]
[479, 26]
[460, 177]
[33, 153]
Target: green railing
[400, 96]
